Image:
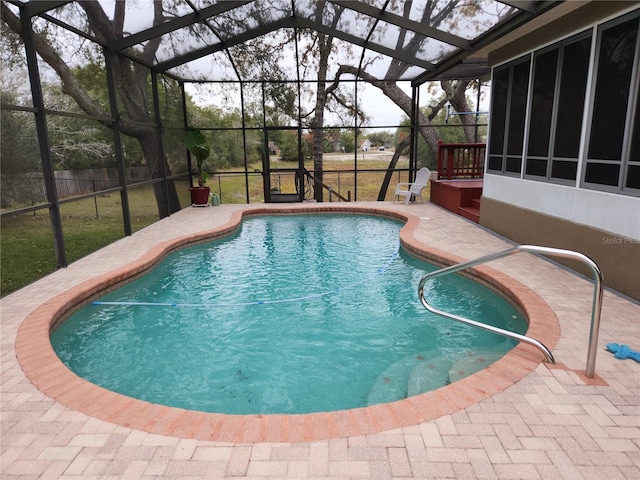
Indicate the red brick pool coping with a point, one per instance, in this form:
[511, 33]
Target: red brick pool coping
[45, 370]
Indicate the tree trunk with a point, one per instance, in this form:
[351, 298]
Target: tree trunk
[131, 81]
[404, 143]
[456, 94]
[165, 192]
[324, 44]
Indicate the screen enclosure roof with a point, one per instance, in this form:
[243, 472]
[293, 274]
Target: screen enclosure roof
[279, 40]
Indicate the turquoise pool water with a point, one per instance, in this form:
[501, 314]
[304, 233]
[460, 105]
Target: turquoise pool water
[292, 314]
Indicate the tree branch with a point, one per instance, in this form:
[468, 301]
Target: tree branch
[456, 94]
[98, 20]
[391, 90]
[70, 84]
[436, 109]
[118, 19]
[153, 44]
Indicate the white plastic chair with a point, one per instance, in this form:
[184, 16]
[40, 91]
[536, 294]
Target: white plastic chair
[414, 189]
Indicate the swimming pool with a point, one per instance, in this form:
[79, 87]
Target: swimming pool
[296, 314]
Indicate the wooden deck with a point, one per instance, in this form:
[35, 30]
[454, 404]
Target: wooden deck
[458, 196]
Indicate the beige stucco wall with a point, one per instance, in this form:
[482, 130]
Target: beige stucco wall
[617, 256]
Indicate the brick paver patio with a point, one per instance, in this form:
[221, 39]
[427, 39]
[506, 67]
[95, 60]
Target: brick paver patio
[551, 423]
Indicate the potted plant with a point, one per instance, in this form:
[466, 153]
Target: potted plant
[197, 144]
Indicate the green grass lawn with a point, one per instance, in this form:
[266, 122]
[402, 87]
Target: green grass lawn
[232, 189]
[26, 242]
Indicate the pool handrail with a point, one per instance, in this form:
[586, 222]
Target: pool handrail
[596, 306]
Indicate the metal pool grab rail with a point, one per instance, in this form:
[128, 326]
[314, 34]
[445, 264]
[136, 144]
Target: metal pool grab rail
[557, 252]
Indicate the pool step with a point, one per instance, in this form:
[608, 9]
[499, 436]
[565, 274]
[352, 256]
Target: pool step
[429, 375]
[417, 374]
[472, 363]
[391, 385]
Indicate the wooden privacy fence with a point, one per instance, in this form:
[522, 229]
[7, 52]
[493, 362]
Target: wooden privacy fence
[29, 189]
[460, 160]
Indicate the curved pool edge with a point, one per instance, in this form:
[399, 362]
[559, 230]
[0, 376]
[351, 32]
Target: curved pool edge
[47, 372]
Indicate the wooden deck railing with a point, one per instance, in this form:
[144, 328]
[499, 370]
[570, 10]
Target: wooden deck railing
[460, 160]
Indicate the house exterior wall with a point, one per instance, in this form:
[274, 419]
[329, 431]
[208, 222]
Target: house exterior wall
[600, 221]
[617, 256]
[617, 214]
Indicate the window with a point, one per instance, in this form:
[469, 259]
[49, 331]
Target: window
[498, 118]
[557, 103]
[612, 162]
[517, 116]
[573, 87]
[552, 106]
[544, 82]
[509, 107]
